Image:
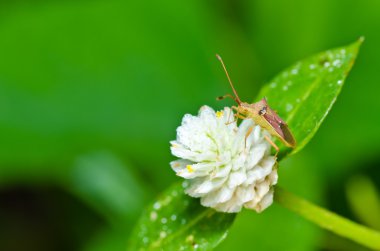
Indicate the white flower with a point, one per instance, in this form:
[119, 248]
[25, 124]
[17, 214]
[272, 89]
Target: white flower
[228, 166]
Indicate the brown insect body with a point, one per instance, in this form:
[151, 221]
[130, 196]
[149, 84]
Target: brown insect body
[263, 115]
[268, 119]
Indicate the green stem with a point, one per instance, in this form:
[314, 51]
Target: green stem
[329, 220]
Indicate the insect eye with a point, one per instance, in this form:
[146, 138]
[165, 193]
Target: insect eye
[263, 111]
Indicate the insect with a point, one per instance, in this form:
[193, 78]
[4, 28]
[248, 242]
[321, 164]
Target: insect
[262, 114]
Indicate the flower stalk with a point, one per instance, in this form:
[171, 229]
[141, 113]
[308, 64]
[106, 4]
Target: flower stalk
[329, 220]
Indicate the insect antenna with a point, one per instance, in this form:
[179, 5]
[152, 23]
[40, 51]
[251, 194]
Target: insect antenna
[237, 99]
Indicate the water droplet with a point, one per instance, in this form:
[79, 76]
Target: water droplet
[196, 246]
[157, 205]
[312, 66]
[162, 234]
[295, 71]
[343, 51]
[326, 64]
[336, 62]
[340, 82]
[331, 69]
[298, 100]
[153, 216]
[173, 217]
[190, 238]
[145, 240]
[185, 184]
[183, 221]
[289, 107]
[174, 193]
[164, 220]
[273, 85]
[285, 87]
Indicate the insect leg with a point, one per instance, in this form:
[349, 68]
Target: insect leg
[240, 116]
[272, 143]
[228, 119]
[229, 115]
[233, 121]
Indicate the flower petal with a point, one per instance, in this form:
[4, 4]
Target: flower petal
[236, 178]
[210, 185]
[226, 165]
[255, 155]
[265, 202]
[245, 193]
[231, 206]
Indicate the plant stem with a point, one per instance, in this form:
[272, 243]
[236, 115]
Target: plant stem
[329, 220]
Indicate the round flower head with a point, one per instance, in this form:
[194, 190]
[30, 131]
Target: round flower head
[227, 166]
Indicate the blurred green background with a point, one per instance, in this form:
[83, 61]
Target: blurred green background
[91, 92]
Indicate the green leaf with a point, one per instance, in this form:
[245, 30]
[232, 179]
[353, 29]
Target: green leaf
[304, 93]
[178, 222]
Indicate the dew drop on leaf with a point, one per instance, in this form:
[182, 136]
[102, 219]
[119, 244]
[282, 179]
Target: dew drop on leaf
[157, 205]
[314, 88]
[145, 240]
[164, 220]
[185, 184]
[337, 63]
[289, 107]
[168, 227]
[162, 234]
[153, 216]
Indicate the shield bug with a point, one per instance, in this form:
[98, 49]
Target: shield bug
[262, 114]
